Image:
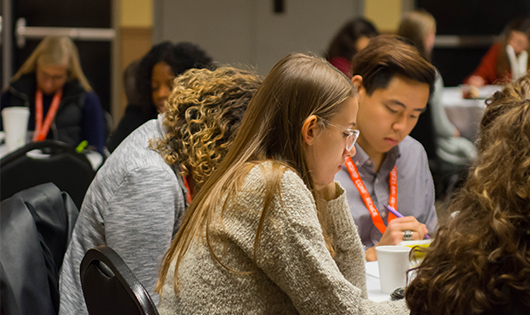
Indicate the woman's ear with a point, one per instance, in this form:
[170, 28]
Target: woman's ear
[309, 130]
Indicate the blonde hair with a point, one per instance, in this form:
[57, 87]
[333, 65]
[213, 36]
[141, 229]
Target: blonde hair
[416, 25]
[55, 50]
[297, 87]
[203, 113]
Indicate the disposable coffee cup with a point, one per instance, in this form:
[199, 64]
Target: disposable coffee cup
[15, 121]
[393, 264]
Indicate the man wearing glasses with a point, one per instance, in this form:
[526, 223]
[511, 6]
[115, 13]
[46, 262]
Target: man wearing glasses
[394, 83]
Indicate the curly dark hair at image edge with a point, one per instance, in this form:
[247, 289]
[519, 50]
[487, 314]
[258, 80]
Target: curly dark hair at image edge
[180, 57]
[204, 111]
[480, 259]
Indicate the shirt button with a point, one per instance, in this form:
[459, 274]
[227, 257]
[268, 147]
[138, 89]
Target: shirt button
[357, 163]
[368, 162]
[377, 180]
[383, 214]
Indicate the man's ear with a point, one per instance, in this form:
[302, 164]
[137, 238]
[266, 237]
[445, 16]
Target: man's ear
[310, 130]
[357, 81]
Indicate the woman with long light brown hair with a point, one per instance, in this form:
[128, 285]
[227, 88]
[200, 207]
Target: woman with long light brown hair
[479, 262]
[270, 231]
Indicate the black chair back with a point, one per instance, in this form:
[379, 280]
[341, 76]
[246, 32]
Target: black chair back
[36, 225]
[62, 165]
[110, 287]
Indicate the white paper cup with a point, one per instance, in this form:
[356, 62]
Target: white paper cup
[393, 264]
[15, 121]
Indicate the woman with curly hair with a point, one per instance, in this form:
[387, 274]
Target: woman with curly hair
[479, 262]
[153, 82]
[136, 202]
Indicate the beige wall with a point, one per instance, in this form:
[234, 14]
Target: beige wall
[385, 14]
[136, 13]
[135, 38]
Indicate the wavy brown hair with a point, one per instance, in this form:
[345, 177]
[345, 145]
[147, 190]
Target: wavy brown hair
[480, 259]
[298, 87]
[204, 111]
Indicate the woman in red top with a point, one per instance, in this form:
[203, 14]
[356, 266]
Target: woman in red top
[505, 60]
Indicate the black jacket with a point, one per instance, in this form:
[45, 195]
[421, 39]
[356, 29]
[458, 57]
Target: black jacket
[66, 126]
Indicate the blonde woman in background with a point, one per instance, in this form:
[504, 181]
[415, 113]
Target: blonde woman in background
[61, 102]
[419, 26]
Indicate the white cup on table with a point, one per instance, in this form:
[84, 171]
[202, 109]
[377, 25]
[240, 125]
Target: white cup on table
[393, 264]
[15, 122]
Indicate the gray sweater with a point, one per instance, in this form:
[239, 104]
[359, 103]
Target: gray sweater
[295, 272]
[132, 206]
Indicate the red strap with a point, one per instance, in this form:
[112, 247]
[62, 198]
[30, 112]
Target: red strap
[42, 131]
[392, 199]
[188, 188]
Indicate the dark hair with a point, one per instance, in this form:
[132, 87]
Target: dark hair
[479, 260]
[343, 44]
[180, 57]
[390, 55]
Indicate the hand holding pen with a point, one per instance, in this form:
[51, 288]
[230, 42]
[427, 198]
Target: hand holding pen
[399, 215]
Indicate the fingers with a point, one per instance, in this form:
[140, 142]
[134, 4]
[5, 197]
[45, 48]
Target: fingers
[394, 231]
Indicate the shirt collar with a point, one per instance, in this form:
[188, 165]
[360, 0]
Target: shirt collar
[362, 159]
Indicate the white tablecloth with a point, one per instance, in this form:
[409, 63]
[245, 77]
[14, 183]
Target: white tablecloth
[466, 114]
[372, 283]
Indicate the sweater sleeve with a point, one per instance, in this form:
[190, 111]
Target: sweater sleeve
[486, 68]
[293, 254]
[93, 126]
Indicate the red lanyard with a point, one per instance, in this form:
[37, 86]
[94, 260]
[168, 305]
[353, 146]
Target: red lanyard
[392, 199]
[188, 192]
[41, 131]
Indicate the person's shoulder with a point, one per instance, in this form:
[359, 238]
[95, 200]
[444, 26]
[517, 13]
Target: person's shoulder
[412, 150]
[135, 151]
[265, 171]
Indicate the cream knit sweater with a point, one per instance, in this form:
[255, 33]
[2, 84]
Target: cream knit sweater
[295, 272]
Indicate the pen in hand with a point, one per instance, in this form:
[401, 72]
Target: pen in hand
[399, 215]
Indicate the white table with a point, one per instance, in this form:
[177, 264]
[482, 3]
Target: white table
[466, 114]
[372, 283]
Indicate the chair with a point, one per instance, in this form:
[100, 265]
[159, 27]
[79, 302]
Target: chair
[62, 165]
[110, 287]
[35, 228]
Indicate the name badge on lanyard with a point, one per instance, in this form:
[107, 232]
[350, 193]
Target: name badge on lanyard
[374, 213]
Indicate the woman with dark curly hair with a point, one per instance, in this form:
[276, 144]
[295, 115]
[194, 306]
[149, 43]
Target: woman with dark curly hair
[153, 83]
[479, 262]
[138, 197]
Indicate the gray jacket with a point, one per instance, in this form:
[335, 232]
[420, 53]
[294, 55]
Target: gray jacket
[133, 205]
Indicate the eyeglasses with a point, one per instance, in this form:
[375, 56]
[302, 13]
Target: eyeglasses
[353, 134]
